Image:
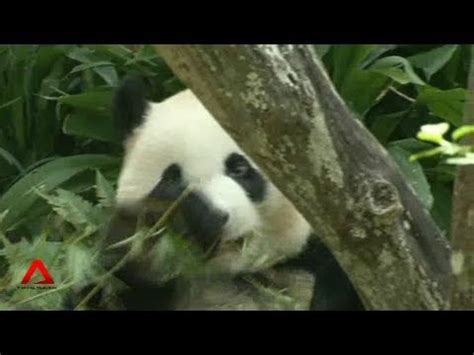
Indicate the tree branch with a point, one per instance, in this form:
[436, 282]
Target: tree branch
[278, 103]
[463, 217]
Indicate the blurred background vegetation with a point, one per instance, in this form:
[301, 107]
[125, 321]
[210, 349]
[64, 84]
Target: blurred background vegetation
[60, 154]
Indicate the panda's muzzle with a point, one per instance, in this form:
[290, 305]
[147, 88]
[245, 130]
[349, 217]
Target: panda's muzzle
[204, 223]
[195, 219]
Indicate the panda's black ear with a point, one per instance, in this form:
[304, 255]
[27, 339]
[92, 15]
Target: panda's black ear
[129, 105]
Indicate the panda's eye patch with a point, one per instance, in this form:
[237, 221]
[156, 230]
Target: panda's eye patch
[172, 173]
[237, 166]
[170, 185]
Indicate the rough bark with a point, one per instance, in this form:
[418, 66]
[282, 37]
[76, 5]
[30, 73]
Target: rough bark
[463, 217]
[278, 103]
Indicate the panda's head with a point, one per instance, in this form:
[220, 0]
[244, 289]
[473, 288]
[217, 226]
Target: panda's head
[175, 144]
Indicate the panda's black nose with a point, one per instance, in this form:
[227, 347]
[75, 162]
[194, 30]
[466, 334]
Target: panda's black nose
[204, 222]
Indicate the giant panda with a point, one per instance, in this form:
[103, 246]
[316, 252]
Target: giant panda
[174, 144]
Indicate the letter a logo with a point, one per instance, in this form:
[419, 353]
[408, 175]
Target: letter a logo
[38, 265]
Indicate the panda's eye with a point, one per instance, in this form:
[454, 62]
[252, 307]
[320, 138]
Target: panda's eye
[237, 166]
[239, 170]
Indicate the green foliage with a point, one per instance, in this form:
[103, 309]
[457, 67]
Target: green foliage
[73, 209]
[360, 88]
[105, 191]
[21, 196]
[432, 61]
[446, 104]
[73, 260]
[398, 69]
[58, 144]
[55, 100]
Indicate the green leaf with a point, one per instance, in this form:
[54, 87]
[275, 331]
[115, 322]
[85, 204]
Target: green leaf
[120, 52]
[145, 54]
[81, 54]
[105, 191]
[398, 69]
[177, 256]
[376, 53]
[173, 86]
[362, 89]
[413, 173]
[432, 61]
[2, 216]
[104, 69]
[94, 100]
[99, 63]
[384, 125]
[74, 209]
[19, 198]
[79, 262]
[85, 66]
[98, 126]
[446, 104]
[411, 145]
[442, 206]
[347, 58]
[11, 160]
[109, 74]
[358, 87]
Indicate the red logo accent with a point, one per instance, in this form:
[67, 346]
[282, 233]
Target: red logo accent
[38, 265]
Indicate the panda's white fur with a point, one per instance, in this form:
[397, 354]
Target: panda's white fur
[181, 130]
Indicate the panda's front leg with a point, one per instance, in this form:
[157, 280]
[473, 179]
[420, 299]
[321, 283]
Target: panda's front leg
[333, 291]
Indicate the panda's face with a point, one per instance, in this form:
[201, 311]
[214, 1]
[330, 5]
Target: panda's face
[178, 145]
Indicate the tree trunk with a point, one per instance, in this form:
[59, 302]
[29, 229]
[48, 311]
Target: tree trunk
[463, 217]
[278, 103]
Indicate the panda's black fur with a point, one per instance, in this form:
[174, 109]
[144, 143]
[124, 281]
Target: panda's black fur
[332, 289]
